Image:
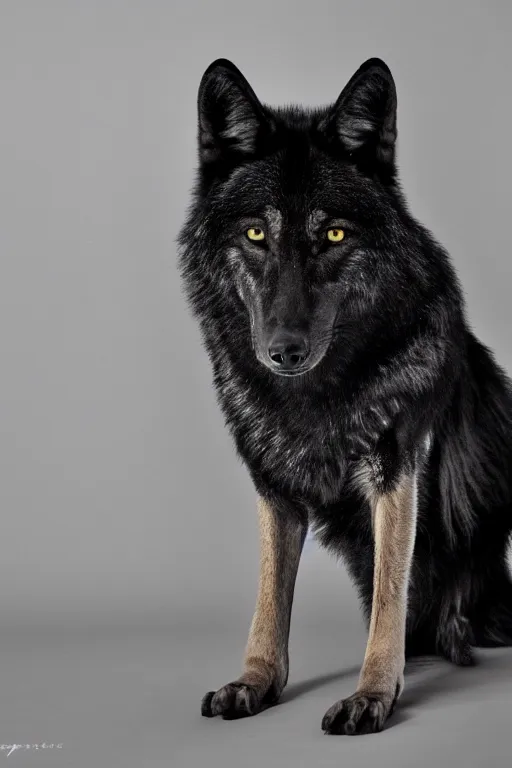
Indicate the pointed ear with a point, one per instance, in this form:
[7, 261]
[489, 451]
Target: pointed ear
[363, 118]
[231, 118]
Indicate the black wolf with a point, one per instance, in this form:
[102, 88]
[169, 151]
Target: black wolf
[357, 395]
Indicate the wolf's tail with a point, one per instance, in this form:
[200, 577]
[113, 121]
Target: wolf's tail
[492, 627]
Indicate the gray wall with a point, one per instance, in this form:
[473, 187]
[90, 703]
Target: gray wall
[119, 486]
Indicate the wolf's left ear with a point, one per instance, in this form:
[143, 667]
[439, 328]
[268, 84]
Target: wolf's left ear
[363, 118]
[231, 118]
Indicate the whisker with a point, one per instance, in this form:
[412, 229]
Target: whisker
[331, 335]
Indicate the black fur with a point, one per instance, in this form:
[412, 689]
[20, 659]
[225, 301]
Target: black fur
[395, 375]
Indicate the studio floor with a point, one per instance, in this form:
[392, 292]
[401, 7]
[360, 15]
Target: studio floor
[117, 690]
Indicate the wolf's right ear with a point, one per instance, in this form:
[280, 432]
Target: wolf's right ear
[363, 119]
[231, 118]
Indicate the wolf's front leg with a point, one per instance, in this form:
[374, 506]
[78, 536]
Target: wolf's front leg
[282, 534]
[382, 676]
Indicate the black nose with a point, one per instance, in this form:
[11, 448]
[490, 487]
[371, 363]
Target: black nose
[288, 350]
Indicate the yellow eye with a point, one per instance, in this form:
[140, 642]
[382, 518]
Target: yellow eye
[255, 233]
[335, 235]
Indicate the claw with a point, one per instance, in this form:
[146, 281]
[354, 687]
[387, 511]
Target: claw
[206, 704]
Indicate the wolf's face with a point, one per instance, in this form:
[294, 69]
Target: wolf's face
[295, 208]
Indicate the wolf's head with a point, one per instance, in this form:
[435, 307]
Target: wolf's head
[296, 237]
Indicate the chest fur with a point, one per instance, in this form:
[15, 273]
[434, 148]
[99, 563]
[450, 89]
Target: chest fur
[296, 443]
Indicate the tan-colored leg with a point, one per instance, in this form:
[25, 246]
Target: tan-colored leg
[266, 657]
[381, 679]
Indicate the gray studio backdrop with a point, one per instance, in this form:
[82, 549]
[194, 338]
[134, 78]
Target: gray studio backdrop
[122, 502]
[119, 486]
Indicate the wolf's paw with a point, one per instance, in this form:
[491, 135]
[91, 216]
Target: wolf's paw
[361, 713]
[454, 639]
[368, 426]
[235, 700]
